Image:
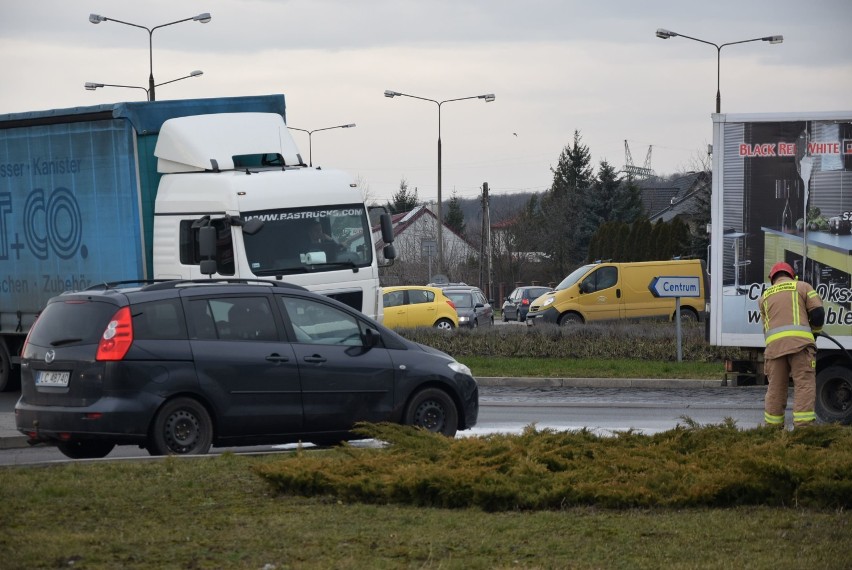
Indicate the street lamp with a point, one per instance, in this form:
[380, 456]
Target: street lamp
[666, 34]
[488, 97]
[310, 160]
[203, 18]
[92, 86]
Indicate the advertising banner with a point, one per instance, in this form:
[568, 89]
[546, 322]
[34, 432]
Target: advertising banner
[69, 212]
[782, 192]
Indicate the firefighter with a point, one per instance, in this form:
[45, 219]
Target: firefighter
[792, 312]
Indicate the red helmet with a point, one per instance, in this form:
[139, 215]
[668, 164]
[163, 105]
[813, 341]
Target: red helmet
[781, 267]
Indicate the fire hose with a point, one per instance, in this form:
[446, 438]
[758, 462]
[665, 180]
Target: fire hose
[832, 339]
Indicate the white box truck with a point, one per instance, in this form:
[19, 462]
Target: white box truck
[782, 191]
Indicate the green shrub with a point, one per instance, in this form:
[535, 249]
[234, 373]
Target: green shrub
[689, 466]
[617, 340]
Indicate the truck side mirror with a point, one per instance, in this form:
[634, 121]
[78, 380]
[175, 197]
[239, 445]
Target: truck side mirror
[389, 252]
[387, 228]
[207, 249]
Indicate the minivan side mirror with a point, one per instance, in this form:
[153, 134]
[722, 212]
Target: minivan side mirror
[371, 338]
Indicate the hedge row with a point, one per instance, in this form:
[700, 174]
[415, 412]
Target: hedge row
[618, 340]
[687, 467]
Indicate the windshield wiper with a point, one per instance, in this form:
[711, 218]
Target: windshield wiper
[350, 264]
[65, 341]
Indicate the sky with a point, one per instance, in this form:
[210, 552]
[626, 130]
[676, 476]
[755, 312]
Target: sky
[554, 66]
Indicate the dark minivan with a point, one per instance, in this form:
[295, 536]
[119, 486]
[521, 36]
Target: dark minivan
[179, 366]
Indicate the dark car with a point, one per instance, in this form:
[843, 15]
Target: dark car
[178, 366]
[517, 304]
[473, 309]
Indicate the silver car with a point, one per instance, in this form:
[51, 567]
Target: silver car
[473, 308]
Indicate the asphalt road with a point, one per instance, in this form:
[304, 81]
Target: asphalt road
[511, 409]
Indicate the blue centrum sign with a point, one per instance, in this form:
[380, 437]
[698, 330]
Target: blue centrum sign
[675, 287]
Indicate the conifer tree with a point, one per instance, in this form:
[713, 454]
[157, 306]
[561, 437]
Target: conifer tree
[403, 200]
[454, 219]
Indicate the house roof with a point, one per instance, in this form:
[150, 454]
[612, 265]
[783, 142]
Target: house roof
[404, 220]
[665, 199]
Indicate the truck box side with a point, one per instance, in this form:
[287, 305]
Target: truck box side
[70, 212]
[760, 188]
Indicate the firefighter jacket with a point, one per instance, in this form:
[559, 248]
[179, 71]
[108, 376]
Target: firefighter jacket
[784, 309]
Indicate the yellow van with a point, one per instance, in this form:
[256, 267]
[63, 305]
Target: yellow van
[607, 291]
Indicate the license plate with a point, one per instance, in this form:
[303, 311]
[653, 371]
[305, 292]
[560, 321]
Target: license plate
[52, 378]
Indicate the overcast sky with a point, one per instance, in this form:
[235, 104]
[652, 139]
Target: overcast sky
[555, 66]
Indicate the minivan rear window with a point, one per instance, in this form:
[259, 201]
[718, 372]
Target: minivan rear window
[64, 323]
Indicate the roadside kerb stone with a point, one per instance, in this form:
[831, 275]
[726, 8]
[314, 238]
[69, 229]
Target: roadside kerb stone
[530, 382]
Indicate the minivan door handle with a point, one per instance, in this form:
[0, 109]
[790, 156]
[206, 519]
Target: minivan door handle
[275, 357]
[618, 293]
[315, 359]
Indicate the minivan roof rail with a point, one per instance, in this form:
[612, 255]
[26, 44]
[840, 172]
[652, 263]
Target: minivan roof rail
[161, 284]
[174, 283]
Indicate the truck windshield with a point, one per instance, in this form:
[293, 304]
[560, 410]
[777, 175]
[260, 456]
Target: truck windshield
[573, 277]
[300, 240]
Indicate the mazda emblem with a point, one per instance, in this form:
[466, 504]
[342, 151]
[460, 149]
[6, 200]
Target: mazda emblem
[49, 356]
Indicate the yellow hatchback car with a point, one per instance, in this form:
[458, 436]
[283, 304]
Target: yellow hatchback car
[415, 306]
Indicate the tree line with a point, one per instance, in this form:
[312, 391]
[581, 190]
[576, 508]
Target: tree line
[584, 216]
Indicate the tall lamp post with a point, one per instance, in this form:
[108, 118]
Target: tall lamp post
[666, 34]
[203, 18]
[310, 151]
[488, 97]
[90, 86]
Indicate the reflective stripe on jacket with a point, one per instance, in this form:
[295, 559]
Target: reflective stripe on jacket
[784, 309]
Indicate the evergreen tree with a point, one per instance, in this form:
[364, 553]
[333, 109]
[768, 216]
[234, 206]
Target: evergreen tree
[567, 221]
[680, 239]
[627, 205]
[605, 193]
[403, 200]
[454, 218]
[661, 242]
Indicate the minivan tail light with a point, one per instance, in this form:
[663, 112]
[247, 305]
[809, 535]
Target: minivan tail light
[525, 302]
[117, 337]
[27, 339]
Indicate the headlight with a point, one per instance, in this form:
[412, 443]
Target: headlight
[463, 319]
[548, 301]
[459, 367]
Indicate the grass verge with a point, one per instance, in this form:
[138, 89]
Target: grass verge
[216, 512]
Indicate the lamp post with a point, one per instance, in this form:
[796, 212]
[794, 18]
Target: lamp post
[92, 86]
[203, 18]
[666, 34]
[488, 97]
[310, 152]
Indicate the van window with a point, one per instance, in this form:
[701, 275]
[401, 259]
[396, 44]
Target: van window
[318, 323]
[158, 320]
[68, 323]
[573, 277]
[233, 318]
[603, 278]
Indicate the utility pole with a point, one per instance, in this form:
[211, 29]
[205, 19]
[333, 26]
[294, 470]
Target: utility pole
[485, 244]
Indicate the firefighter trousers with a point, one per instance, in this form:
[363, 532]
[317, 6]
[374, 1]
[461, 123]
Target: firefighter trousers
[802, 367]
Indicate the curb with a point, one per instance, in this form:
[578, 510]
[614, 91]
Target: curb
[515, 382]
[13, 442]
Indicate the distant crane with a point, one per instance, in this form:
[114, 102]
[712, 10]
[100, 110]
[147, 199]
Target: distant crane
[634, 171]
